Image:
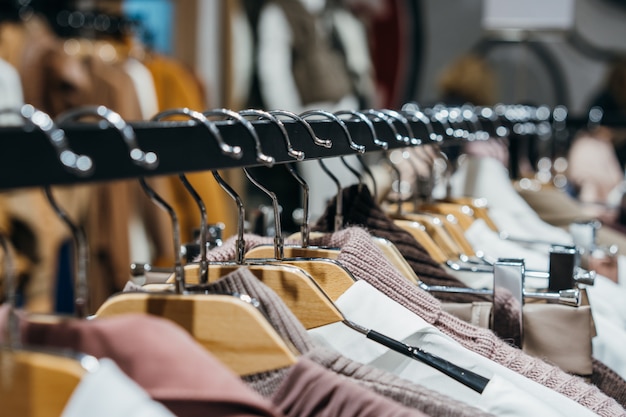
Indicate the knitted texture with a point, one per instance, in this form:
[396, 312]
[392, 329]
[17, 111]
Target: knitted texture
[609, 382]
[359, 208]
[313, 391]
[378, 381]
[367, 262]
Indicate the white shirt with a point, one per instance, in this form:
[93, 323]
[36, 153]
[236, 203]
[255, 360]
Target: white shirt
[508, 393]
[144, 86]
[109, 392]
[11, 95]
[488, 178]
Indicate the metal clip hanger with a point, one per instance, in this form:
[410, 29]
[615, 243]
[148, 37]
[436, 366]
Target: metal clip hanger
[243, 339]
[233, 151]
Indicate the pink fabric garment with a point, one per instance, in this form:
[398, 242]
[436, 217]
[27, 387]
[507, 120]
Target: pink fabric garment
[309, 390]
[367, 262]
[162, 358]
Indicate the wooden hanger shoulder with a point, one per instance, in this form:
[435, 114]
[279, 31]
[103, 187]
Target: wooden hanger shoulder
[393, 255]
[481, 210]
[456, 232]
[231, 329]
[333, 278]
[35, 384]
[436, 230]
[298, 290]
[418, 231]
[463, 212]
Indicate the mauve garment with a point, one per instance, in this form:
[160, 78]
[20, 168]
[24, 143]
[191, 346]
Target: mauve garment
[162, 358]
[310, 390]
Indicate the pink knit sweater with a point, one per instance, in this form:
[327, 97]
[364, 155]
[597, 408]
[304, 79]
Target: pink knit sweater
[367, 262]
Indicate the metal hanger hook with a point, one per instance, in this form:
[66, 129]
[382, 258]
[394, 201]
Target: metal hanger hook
[261, 157]
[298, 155]
[305, 229]
[77, 164]
[377, 114]
[233, 151]
[372, 130]
[417, 115]
[410, 138]
[344, 128]
[148, 160]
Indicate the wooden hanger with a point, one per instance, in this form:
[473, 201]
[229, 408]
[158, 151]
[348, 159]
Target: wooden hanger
[391, 252]
[37, 384]
[418, 231]
[463, 213]
[393, 255]
[456, 232]
[34, 382]
[299, 290]
[233, 330]
[479, 206]
[435, 228]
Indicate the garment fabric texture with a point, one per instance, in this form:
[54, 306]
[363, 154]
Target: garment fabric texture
[109, 392]
[320, 73]
[360, 209]
[609, 382]
[179, 374]
[367, 262]
[310, 390]
[287, 325]
[368, 307]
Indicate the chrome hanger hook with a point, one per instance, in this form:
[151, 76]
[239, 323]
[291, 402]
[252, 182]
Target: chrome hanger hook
[279, 242]
[232, 151]
[261, 157]
[417, 115]
[344, 128]
[326, 143]
[179, 271]
[305, 228]
[339, 207]
[81, 285]
[377, 114]
[298, 155]
[405, 124]
[383, 145]
[77, 164]
[143, 159]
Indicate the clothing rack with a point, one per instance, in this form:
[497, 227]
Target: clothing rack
[28, 159]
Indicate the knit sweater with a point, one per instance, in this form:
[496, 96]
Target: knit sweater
[376, 380]
[609, 382]
[366, 261]
[360, 209]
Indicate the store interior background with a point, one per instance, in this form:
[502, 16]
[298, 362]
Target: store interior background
[576, 40]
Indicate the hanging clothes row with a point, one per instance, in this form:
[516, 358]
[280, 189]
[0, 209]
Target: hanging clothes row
[352, 321]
